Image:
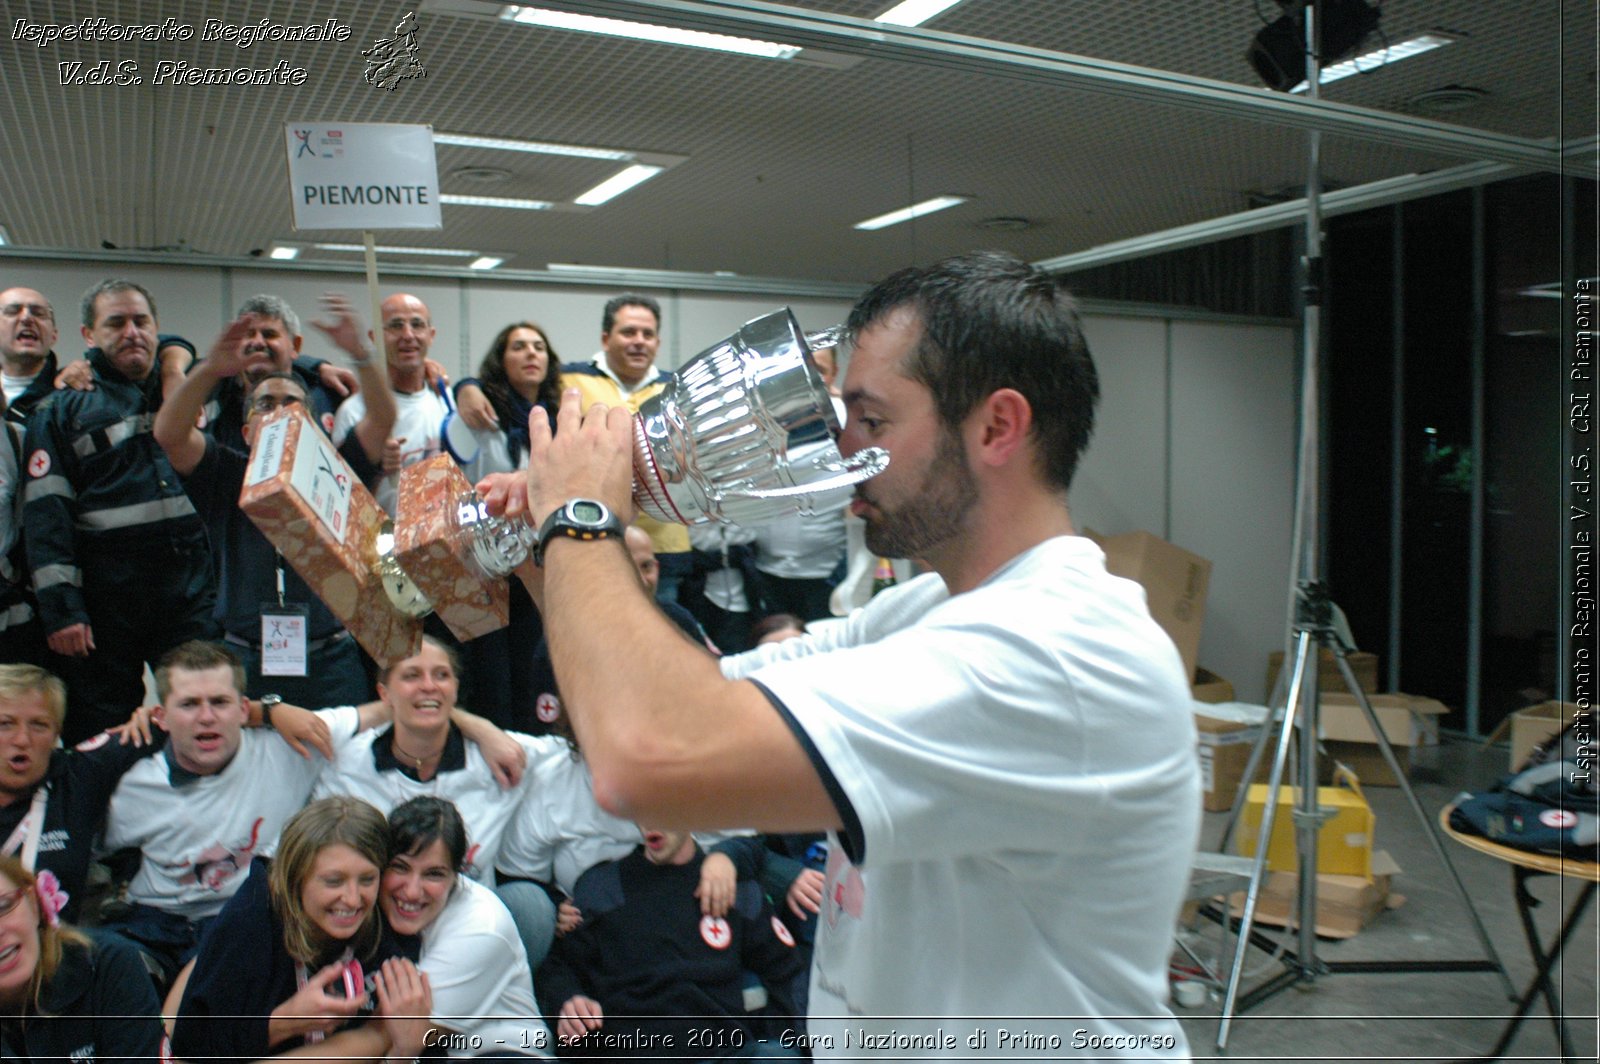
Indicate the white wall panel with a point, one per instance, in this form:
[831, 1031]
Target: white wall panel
[1232, 486]
[1121, 484]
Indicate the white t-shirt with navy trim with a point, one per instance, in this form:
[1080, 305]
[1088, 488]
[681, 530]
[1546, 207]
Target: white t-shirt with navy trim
[363, 768]
[1016, 770]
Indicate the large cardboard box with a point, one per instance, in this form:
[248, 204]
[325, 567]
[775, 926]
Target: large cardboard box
[308, 503]
[1344, 844]
[1531, 726]
[1407, 721]
[1224, 749]
[1329, 678]
[1345, 904]
[1174, 581]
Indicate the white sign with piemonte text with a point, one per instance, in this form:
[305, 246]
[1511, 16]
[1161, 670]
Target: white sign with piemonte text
[362, 175]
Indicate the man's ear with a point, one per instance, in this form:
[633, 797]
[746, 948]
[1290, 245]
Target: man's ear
[1004, 422]
[298, 340]
[158, 715]
[88, 336]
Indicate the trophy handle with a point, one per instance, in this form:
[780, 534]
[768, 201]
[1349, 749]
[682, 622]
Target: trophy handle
[829, 337]
[864, 464]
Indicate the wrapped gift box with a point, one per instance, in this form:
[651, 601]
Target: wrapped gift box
[307, 502]
[434, 555]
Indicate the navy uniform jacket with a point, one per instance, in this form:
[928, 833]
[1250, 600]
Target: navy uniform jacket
[101, 1007]
[78, 786]
[102, 496]
[658, 968]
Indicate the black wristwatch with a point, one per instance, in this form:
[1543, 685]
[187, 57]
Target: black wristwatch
[267, 702]
[578, 519]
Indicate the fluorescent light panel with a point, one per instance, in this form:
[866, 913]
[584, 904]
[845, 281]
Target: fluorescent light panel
[537, 147]
[916, 210]
[914, 12]
[484, 262]
[5, 237]
[283, 252]
[394, 249]
[617, 184]
[1378, 57]
[496, 201]
[641, 31]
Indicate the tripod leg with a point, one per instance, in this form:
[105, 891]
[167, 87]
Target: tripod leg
[1341, 655]
[1264, 837]
[1253, 763]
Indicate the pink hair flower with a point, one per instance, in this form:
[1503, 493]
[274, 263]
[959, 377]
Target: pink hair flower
[52, 899]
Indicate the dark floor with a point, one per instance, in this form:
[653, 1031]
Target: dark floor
[1417, 1016]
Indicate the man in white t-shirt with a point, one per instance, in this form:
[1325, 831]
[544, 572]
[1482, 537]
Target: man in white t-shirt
[1003, 749]
[217, 795]
[408, 334]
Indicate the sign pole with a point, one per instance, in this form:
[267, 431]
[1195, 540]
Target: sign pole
[372, 295]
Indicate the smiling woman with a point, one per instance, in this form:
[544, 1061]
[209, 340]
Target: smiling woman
[62, 996]
[319, 955]
[476, 966]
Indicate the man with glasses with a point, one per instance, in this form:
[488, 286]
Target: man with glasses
[408, 333]
[256, 589]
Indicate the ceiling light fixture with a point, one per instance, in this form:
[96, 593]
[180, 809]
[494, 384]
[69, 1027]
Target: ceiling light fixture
[914, 12]
[485, 262]
[5, 237]
[1391, 53]
[394, 249]
[284, 252]
[916, 210]
[642, 31]
[537, 147]
[617, 184]
[496, 201]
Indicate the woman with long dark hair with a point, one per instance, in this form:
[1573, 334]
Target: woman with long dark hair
[520, 375]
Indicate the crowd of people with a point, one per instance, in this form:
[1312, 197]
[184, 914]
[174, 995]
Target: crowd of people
[233, 823]
[339, 855]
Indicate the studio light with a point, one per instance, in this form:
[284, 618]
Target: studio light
[1278, 53]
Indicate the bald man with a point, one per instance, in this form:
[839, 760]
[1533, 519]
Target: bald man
[408, 335]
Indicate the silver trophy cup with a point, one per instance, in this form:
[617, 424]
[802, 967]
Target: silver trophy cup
[715, 444]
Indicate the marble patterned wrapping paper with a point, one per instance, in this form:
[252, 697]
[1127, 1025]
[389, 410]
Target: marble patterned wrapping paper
[427, 548]
[341, 569]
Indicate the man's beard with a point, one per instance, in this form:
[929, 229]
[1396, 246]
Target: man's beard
[935, 511]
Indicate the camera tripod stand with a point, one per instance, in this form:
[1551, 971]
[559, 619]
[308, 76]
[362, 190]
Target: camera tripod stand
[1314, 631]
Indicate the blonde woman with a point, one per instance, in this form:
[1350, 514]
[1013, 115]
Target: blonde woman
[61, 995]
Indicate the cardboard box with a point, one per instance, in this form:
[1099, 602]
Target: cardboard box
[429, 550]
[1174, 581]
[1345, 904]
[1329, 678]
[308, 503]
[1531, 726]
[1209, 687]
[1407, 721]
[1344, 845]
[1224, 749]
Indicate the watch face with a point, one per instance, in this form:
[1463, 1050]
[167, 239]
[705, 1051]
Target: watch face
[588, 512]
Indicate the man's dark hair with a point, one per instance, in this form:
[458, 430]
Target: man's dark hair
[991, 321]
[113, 285]
[628, 299]
[416, 824]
